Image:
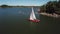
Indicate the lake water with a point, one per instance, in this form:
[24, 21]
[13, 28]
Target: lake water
[14, 21]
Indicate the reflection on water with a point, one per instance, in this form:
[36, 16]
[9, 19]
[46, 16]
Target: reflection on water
[14, 21]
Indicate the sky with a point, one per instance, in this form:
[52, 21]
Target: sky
[24, 2]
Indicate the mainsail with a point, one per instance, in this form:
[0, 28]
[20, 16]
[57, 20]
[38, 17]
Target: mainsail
[32, 15]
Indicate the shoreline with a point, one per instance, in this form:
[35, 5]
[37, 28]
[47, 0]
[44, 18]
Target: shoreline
[17, 6]
[50, 15]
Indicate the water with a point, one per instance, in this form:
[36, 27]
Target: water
[14, 21]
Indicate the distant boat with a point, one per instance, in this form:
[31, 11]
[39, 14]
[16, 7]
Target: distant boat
[33, 17]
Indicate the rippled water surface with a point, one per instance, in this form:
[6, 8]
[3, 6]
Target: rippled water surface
[14, 21]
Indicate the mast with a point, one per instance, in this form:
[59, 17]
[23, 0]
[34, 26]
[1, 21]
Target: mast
[32, 15]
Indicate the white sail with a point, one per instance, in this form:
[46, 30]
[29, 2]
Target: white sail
[32, 15]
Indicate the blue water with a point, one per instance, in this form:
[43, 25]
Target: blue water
[14, 21]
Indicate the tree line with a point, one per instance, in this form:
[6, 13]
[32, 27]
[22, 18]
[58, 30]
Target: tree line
[51, 7]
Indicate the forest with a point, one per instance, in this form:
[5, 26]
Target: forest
[51, 7]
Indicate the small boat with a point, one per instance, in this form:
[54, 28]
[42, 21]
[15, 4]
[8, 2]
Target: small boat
[33, 17]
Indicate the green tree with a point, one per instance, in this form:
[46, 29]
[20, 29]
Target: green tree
[51, 7]
[4, 6]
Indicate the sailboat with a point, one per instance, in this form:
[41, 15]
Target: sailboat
[33, 17]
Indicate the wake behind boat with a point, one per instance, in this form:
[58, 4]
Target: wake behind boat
[33, 17]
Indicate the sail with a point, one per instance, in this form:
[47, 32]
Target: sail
[32, 15]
